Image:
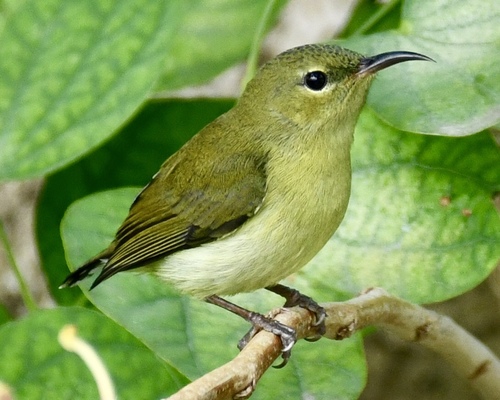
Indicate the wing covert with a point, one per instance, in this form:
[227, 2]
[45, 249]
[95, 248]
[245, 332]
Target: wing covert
[165, 217]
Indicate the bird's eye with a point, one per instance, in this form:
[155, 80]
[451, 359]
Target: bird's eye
[315, 80]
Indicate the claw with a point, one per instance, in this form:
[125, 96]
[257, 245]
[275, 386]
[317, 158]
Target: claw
[286, 357]
[288, 341]
[313, 338]
[247, 392]
[320, 315]
[286, 334]
[287, 350]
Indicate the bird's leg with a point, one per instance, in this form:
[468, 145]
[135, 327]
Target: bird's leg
[286, 334]
[295, 298]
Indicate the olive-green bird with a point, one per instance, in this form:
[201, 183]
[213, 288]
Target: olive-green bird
[256, 193]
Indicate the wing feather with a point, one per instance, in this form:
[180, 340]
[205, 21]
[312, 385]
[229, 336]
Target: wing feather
[187, 204]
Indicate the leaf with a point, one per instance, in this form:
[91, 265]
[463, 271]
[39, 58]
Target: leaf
[320, 370]
[73, 72]
[421, 222]
[6, 8]
[4, 315]
[457, 96]
[215, 42]
[35, 365]
[130, 158]
[195, 343]
[366, 10]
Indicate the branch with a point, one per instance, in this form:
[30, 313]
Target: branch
[466, 355]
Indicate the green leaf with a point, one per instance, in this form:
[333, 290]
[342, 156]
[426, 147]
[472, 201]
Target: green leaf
[370, 16]
[421, 222]
[35, 365]
[130, 158]
[6, 8]
[196, 343]
[4, 315]
[460, 94]
[206, 46]
[321, 370]
[73, 72]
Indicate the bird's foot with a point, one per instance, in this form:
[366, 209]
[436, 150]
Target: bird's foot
[287, 335]
[295, 298]
[259, 322]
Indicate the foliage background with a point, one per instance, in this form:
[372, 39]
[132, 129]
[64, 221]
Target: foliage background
[44, 116]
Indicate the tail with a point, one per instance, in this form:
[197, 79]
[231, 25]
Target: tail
[85, 270]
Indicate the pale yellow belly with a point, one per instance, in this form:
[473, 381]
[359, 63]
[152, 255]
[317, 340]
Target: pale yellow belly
[273, 244]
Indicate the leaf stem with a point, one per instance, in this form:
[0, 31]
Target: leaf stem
[70, 341]
[253, 57]
[28, 299]
[376, 17]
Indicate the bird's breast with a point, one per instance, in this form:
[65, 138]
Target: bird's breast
[305, 201]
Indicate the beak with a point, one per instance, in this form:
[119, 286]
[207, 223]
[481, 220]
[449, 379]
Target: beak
[370, 65]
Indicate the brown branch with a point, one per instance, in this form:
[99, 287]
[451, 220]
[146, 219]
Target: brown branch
[466, 355]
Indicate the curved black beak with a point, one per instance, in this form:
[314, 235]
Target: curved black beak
[370, 65]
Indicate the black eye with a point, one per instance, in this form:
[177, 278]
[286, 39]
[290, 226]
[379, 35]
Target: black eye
[315, 80]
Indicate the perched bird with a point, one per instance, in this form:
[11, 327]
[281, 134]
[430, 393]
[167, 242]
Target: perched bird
[257, 193]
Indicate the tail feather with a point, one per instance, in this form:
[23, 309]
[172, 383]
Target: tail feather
[84, 271]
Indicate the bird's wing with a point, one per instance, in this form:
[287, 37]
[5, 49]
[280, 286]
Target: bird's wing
[187, 204]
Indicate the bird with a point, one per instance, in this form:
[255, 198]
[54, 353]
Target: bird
[253, 196]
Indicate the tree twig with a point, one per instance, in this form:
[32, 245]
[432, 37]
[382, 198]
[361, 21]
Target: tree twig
[470, 358]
